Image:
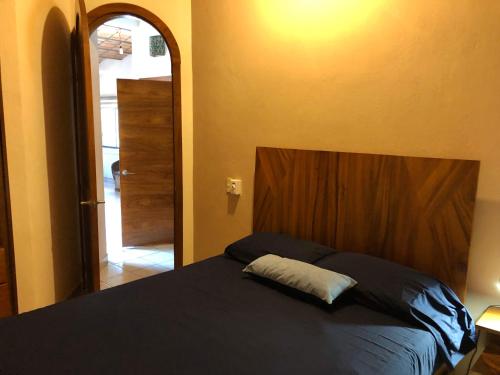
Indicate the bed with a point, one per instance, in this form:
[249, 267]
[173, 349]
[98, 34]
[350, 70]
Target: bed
[211, 318]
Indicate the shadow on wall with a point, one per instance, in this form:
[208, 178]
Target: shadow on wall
[61, 153]
[484, 251]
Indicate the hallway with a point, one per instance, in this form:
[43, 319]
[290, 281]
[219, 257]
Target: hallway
[126, 264]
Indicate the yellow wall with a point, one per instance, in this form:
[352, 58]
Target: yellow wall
[418, 78]
[177, 16]
[392, 76]
[35, 62]
[34, 53]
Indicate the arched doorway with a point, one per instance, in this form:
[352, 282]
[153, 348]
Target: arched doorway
[105, 13]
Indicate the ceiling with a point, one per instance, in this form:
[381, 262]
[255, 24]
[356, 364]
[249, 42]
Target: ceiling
[109, 40]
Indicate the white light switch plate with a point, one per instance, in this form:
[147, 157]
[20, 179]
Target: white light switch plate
[234, 186]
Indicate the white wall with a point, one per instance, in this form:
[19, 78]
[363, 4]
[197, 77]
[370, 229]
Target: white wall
[143, 64]
[110, 71]
[110, 135]
[138, 65]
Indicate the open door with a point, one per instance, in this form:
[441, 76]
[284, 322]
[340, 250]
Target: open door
[145, 110]
[84, 119]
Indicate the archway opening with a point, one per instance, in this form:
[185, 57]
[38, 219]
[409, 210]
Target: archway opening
[136, 69]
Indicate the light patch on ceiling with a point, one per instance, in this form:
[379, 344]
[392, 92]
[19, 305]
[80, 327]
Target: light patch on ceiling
[113, 42]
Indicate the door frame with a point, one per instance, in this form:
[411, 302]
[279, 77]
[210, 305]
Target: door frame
[104, 13]
[6, 227]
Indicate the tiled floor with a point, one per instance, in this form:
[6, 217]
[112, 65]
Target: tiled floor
[127, 264]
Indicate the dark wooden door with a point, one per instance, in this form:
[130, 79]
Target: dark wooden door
[7, 274]
[84, 118]
[146, 161]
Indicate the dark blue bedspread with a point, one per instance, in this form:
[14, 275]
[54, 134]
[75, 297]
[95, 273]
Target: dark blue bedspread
[210, 318]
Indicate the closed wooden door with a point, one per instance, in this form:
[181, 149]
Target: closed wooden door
[146, 161]
[84, 119]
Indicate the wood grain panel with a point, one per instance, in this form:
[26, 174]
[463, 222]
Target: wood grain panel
[296, 193]
[85, 144]
[414, 211]
[4, 275]
[8, 302]
[147, 150]
[5, 301]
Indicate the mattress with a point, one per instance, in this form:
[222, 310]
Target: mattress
[210, 318]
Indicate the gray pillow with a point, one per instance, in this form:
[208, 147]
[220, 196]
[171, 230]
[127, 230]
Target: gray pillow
[324, 284]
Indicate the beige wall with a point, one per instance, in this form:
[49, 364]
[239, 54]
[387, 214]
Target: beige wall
[35, 57]
[177, 16]
[418, 78]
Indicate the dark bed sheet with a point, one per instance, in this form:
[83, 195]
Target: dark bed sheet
[210, 318]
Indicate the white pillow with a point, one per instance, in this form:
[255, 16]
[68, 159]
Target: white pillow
[322, 283]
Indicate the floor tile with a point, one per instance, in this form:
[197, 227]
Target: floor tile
[110, 270]
[148, 271]
[123, 278]
[132, 262]
[104, 286]
[159, 257]
[164, 247]
[129, 253]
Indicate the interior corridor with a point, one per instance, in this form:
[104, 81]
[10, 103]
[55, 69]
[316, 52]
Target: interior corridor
[127, 264]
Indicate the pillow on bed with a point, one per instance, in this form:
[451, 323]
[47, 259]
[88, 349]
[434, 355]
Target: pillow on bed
[411, 295]
[256, 245]
[324, 284]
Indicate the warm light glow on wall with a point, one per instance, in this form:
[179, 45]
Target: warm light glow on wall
[315, 20]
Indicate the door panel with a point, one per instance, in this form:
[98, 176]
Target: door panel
[84, 119]
[5, 301]
[146, 161]
[8, 302]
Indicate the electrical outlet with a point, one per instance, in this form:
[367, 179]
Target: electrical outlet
[234, 186]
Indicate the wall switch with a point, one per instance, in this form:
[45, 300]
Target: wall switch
[233, 186]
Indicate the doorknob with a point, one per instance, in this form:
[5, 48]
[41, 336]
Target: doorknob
[91, 203]
[127, 173]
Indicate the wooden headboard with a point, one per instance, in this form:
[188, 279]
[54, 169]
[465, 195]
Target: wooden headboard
[414, 211]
